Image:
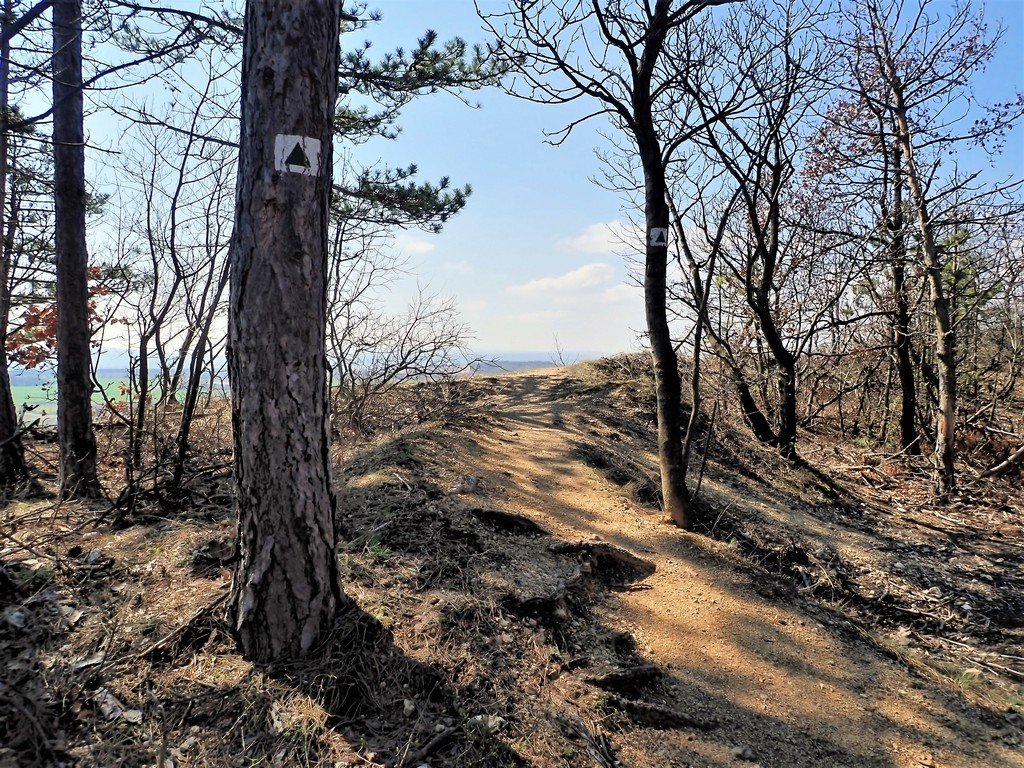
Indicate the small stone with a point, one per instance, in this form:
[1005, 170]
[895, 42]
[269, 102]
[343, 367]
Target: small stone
[132, 715]
[487, 723]
[71, 615]
[14, 616]
[409, 707]
[744, 752]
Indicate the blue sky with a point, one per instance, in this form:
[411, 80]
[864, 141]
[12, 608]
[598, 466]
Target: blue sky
[537, 252]
[531, 257]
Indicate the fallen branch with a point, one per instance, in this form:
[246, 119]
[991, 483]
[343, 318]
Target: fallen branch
[421, 754]
[1004, 466]
[599, 747]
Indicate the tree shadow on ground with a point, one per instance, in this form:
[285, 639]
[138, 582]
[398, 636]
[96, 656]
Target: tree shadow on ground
[390, 708]
[809, 696]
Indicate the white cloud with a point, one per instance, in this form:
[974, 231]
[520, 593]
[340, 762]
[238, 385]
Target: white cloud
[608, 238]
[411, 245]
[587, 276]
[623, 292]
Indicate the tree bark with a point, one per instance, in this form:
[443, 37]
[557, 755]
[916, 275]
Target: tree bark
[909, 438]
[787, 408]
[12, 454]
[74, 357]
[755, 419]
[784, 366]
[667, 382]
[285, 589]
[945, 342]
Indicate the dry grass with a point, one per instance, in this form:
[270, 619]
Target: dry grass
[435, 661]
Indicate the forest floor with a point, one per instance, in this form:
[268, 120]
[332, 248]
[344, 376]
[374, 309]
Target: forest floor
[517, 599]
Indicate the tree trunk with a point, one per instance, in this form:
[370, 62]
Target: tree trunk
[12, 455]
[667, 382]
[285, 589]
[784, 365]
[909, 439]
[74, 357]
[945, 343]
[787, 408]
[702, 294]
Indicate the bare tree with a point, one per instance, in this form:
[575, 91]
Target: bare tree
[738, 204]
[913, 67]
[285, 589]
[612, 53]
[856, 164]
[172, 225]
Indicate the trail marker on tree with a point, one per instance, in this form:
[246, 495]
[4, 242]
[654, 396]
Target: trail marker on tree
[285, 590]
[297, 154]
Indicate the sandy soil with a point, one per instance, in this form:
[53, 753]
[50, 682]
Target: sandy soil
[541, 614]
[783, 680]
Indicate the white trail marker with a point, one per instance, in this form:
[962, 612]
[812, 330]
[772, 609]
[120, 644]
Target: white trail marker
[297, 154]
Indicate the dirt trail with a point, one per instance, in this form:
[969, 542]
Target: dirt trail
[775, 679]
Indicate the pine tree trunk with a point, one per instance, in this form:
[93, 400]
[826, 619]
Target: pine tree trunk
[12, 455]
[285, 590]
[74, 357]
[13, 470]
